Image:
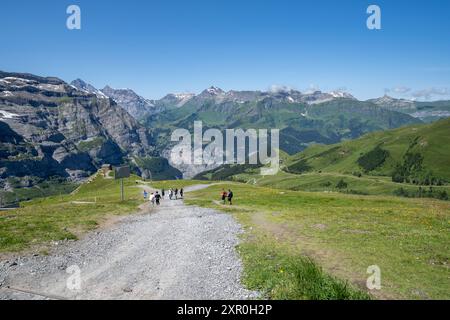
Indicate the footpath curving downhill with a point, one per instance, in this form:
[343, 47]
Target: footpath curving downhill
[170, 252]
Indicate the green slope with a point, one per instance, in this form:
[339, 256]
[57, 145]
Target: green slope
[300, 125]
[337, 168]
[344, 234]
[431, 141]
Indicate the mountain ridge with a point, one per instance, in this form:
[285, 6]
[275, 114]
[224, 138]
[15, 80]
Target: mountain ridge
[303, 118]
[142, 108]
[49, 128]
[410, 161]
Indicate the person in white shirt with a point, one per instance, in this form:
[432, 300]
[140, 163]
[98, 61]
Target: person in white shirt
[152, 198]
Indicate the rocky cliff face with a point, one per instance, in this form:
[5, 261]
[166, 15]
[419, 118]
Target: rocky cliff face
[134, 104]
[49, 128]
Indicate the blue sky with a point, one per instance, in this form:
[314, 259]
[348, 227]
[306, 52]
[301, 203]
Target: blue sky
[161, 46]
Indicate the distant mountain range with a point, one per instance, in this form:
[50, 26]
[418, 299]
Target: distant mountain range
[423, 110]
[141, 108]
[50, 128]
[413, 154]
[303, 119]
[136, 105]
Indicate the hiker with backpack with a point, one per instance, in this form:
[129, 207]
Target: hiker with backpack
[157, 198]
[181, 192]
[224, 195]
[230, 197]
[152, 199]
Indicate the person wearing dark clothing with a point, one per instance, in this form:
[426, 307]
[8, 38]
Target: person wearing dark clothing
[157, 198]
[230, 197]
[163, 193]
[181, 192]
[224, 195]
[176, 194]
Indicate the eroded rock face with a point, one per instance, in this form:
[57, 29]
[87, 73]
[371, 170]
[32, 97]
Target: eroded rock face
[49, 128]
[134, 104]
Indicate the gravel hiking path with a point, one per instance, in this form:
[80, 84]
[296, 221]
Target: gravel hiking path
[170, 252]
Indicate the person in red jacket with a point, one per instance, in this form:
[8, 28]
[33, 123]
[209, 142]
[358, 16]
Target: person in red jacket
[224, 195]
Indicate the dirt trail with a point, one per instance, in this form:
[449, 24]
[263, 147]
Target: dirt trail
[174, 252]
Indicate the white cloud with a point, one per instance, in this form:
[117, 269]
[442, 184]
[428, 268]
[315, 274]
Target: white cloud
[312, 88]
[275, 88]
[398, 90]
[431, 93]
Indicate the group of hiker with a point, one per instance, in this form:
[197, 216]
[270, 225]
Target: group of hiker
[156, 197]
[173, 193]
[227, 196]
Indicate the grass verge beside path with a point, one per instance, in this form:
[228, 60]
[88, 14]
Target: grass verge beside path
[313, 182]
[345, 234]
[58, 218]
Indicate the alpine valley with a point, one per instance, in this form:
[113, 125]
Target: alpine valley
[54, 135]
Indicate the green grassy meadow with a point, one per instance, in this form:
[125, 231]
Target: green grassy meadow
[295, 245]
[430, 140]
[40, 190]
[55, 218]
[408, 239]
[367, 165]
[327, 182]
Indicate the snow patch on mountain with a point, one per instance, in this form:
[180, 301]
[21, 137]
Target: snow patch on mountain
[6, 94]
[390, 102]
[88, 88]
[215, 90]
[7, 115]
[135, 104]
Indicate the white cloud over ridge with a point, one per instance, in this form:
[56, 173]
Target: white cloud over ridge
[432, 93]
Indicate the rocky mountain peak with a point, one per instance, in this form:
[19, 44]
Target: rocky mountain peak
[59, 130]
[389, 102]
[214, 91]
[86, 87]
[133, 103]
[175, 99]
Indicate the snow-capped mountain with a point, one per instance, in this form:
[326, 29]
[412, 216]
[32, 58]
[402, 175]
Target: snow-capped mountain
[341, 94]
[136, 105]
[393, 103]
[318, 97]
[288, 96]
[425, 111]
[129, 100]
[174, 100]
[88, 88]
[215, 91]
[212, 93]
[59, 130]
[140, 107]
